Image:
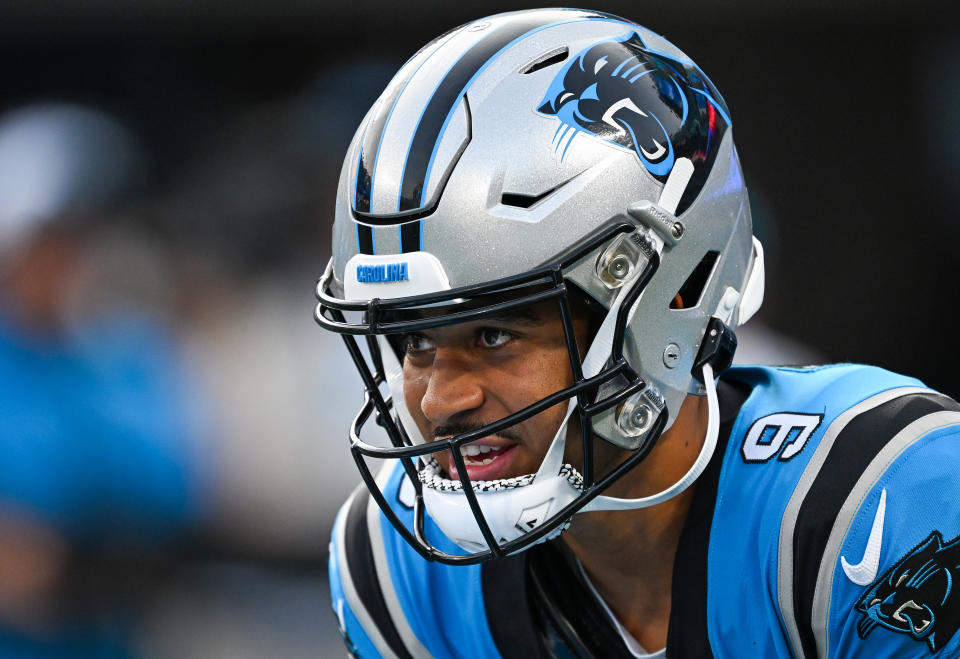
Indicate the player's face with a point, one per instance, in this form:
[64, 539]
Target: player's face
[464, 376]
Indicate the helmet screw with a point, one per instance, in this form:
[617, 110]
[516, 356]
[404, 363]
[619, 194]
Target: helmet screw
[640, 417]
[671, 355]
[677, 230]
[619, 267]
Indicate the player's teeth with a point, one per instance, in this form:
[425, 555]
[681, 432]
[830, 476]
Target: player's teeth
[472, 452]
[476, 449]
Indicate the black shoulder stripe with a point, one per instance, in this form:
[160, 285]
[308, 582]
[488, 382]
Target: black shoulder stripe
[855, 447]
[505, 599]
[363, 572]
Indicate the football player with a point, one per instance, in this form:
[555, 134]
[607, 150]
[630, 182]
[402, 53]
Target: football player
[542, 249]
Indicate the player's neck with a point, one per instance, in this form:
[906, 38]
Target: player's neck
[629, 555]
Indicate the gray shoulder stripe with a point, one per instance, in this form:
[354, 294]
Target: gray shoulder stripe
[785, 556]
[350, 591]
[410, 640]
[878, 466]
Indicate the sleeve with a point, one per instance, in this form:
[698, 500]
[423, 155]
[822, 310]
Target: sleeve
[363, 617]
[358, 644]
[877, 536]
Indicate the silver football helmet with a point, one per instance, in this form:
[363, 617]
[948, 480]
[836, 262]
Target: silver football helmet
[508, 162]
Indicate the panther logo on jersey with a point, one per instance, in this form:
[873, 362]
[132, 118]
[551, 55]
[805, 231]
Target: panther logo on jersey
[916, 596]
[626, 94]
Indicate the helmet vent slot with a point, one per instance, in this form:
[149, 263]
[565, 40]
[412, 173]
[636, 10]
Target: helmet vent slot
[692, 289]
[547, 59]
[522, 200]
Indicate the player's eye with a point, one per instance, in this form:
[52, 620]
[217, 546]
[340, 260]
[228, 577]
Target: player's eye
[416, 342]
[491, 337]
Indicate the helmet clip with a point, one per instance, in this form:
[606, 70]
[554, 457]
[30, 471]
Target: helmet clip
[622, 260]
[717, 348]
[666, 225]
[637, 414]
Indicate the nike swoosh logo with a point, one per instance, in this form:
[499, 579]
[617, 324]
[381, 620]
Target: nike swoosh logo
[865, 571]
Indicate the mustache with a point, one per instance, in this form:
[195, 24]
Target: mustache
[453, 429]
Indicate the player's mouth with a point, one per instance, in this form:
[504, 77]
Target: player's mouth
[485, 460]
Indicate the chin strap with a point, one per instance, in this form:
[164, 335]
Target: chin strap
[706, 452]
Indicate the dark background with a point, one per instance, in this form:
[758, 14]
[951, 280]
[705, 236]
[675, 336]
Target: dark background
[845, 117]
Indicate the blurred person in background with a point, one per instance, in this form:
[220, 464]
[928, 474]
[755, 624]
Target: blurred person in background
[98, 459]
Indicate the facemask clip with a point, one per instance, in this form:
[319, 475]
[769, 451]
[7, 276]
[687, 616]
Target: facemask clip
[637, 414]
[623, 259]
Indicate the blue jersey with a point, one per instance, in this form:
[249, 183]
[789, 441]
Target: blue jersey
[826, 524]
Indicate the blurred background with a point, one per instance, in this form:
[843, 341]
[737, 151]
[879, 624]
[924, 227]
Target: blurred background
[173, 424]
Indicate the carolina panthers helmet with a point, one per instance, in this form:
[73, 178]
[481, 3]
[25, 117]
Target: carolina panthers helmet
[513, 160]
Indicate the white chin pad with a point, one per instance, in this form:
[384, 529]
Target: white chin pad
[510, 513]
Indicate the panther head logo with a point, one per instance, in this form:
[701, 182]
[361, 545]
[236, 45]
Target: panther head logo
[916, 596]
[640, 99]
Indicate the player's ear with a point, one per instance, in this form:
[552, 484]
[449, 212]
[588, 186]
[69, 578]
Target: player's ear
[677, 302]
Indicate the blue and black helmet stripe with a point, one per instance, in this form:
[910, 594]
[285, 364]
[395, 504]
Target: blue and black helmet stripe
[411, 236]
[365, 244]
[432, 123]
[373, 134]
[445, 98]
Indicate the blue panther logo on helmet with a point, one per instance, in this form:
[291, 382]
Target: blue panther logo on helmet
[647, 101]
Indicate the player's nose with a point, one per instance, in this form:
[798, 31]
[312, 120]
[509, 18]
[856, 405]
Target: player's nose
[455, 386]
